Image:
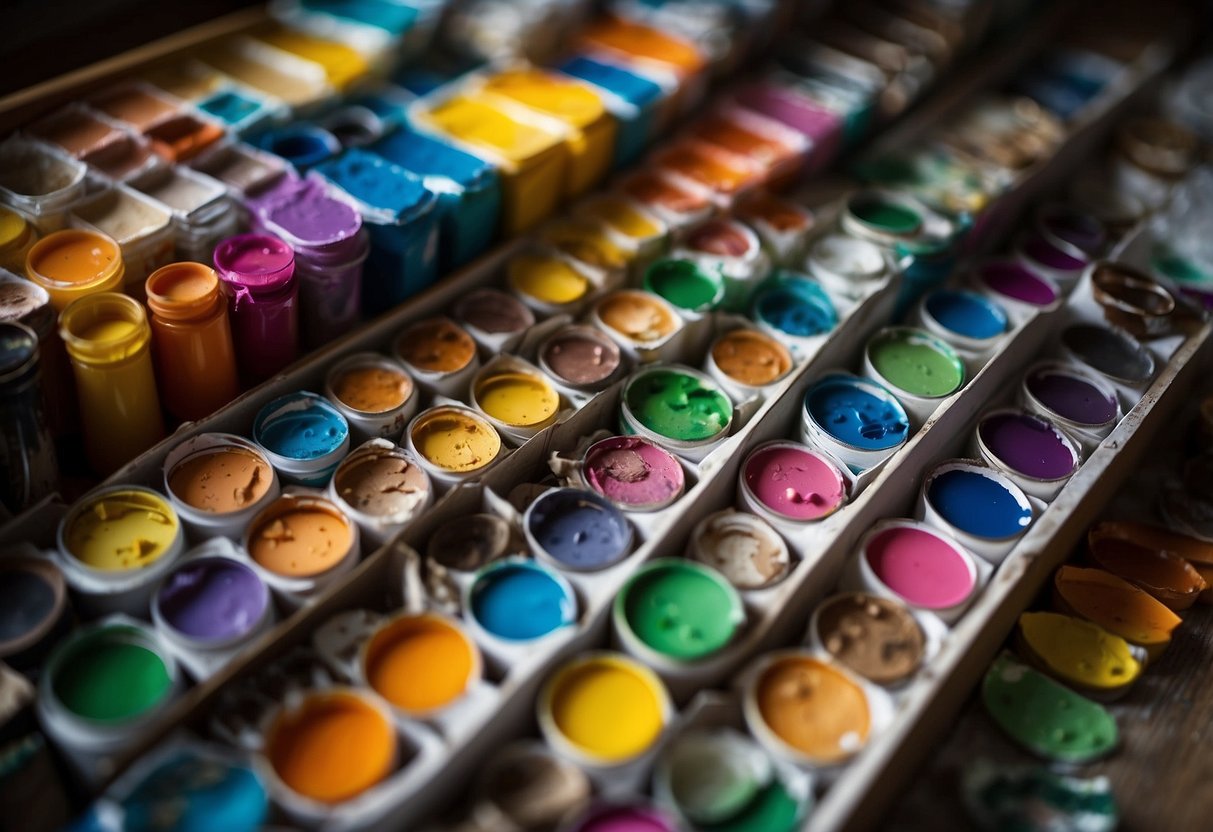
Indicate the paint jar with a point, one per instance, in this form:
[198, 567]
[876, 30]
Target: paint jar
[468, 543]
[1132, 300]
[300, 145]
[1019, 290]
[1109, 352]
[17, 237]
[920, 369]
[217, 483]
[241, 110]
[330, 248]
[531, 158]
[513, 605]
[795, 310]
[258, 274]
[576, 530]
[1062, 225]
[73, 263]
[847, 267]
[971, 323]
[192, 339]
[747, 363]
[636, 99]
[777, 151]
[588, 245]
[382, 489]
[978, 506]
[789, 483]
[179, 138]
[528, 786]
[327, 747]
[634, 230]
[301, 544]
[39, 182]
[1084, 405]
[809, 711]
[716, 775]
[75, 129]
[677, 204]
[439, 355]
[374, 393]
[735, 251]
[1061, 262]
[33, 610]
[209, 607]
[854, 419]
[103, 690]
[549, 284]
[631, 473]
[782, 226]
[517, 400]
[691, 289]
[453, 443]
[581, 359]
[496, 321]
[701, 165]
[882, 217]
[646, 327]
[203, 213]
[244, 169]
[877, 639]
[1033, 452]
[109, 342]
[619, 814]
[606, 712]
[400, 216]
[467, 187]
[923, 568]
[680, 409]
[28, 468]
[303, 436]
[142, 229]
[742, 547]
[22, 301]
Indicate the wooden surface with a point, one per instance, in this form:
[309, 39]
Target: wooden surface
[1163, 772]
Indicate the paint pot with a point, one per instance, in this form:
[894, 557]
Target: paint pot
[301, 544]
[795, 310]
[581, 358]
[328, 747]
[628, 226]
[240, 111]
[548, 284]
[680, 409]
[1083, 404]
[382, 489]
[495, 320]
[700, 165]
[923, 568]
[468, 543]
[303, 436]
[718, 778]
[646, 327]
[420, 663]
[876, 638]
[1110, 353]
[883, 217]
[374, 393]
[854, 419]
[734, 250]
[1019, 290]
[529, 787]
[141, 228]
[692, 289]
[1120, 607]
[920, 369]
[576, 530]
[353, 125]
[128, 158]
[1132, 300]
[742, 547]
[33, 610]
[39, 182]
[782, 225]
[1060, 223]
[778, 151]
[182, 137]
[675, 613]
[439, 355]
[27, 451]
[217, 483]
[789, 483]
[1164, 574]
[301, 145]
[978, 506]
[515, 602]
[115, 543]
[76, 130]
[1031, 451]
[1079, 654]
[847, 267]
[1061, 262]
[589, 245]
[517, 400]
[604, 711]
[622, 816]
[747, 363]
[809, 711]
[139, 105]
[102, 690]
[453, 443]
[210, 607]
[17, 237]
[973, 324]
[633, 474]
[73, 263]
[244, 169]
[258, 274]
[678, 205]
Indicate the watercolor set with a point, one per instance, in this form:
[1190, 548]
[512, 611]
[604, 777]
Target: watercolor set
[537, 438]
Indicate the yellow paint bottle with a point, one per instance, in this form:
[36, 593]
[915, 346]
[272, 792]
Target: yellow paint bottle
[532, 159]
[591, 129]
[108, 340]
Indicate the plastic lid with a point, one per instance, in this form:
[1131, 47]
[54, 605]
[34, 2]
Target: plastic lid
[180, 291]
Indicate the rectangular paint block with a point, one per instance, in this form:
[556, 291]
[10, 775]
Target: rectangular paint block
[288, 77]
[467, 187]
[640, 45]
[342, 64]
[241, 110]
